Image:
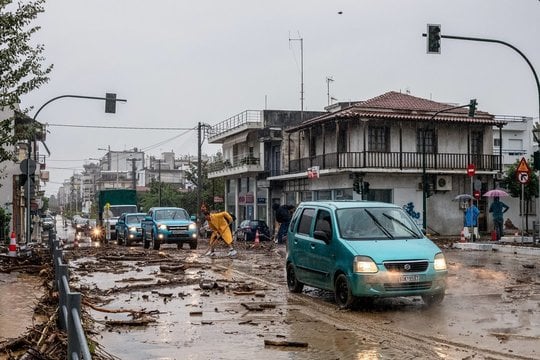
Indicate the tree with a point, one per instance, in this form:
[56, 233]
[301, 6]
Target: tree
[169, 196]
[21, 69]
[210, 188]
[513, 186]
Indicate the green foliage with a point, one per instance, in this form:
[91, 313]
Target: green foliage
[169, 196]
[5, 218]
[513, 186]
[21, 69]
[186, 199]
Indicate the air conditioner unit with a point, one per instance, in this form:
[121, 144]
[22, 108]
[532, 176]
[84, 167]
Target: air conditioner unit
[499, 176]
[444, 183]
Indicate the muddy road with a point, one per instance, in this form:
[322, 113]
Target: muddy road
[179, 304]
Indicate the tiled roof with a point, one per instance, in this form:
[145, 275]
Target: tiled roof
[398, 106]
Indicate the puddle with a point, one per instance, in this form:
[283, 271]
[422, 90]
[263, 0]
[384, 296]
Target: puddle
[18, 296]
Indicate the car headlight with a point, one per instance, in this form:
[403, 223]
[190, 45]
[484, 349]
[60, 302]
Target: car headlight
[192, 227]
[133, 228]
[440, 262]
[364, 264]
[96, 231]
[162, 226]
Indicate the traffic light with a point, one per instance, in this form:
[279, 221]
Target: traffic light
[433, 39]
[536, 160]
[472, 107]
[110, 103]
[356, 186]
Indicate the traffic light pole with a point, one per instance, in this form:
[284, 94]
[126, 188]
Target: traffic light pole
[108, 107]
[526, 60]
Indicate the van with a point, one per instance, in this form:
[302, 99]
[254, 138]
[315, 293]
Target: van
[362, 249]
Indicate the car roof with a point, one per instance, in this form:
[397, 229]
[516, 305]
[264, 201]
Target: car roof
[347, 204]
[134, 214]
[165, 208]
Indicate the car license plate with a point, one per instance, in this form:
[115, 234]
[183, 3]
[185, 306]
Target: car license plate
[409, 278]
[177, 232]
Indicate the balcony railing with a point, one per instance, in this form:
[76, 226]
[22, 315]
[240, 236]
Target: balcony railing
[395, 160]
[236, 161]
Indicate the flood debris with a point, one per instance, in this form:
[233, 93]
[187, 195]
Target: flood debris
[285, 343]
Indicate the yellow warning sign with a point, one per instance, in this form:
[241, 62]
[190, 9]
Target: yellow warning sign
[523, 166]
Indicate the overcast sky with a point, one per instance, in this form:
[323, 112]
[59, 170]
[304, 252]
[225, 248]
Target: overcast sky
[182, 62]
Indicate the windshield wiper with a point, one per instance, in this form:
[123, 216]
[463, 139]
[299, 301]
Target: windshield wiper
[379, 225]
[411, 231]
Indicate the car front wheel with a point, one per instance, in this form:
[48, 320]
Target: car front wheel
[155, 242]
[433, 299]
[342, 292]
[294, 285]
[146, 242]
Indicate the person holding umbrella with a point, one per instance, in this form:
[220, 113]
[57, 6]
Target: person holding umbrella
[498, 208]
[471, 219]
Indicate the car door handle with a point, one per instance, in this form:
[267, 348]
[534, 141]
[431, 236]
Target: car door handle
[312, 246]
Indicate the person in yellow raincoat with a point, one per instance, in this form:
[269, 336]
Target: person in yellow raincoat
[219, 224]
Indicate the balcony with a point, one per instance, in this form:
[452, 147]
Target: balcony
[249, 119]
[236, 166]
[395, 160]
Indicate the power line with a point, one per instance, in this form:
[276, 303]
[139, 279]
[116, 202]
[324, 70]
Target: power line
[120, 127]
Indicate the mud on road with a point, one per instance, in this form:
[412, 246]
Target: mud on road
[179, 304]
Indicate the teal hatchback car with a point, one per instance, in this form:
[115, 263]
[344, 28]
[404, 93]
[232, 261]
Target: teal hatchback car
[362, 249]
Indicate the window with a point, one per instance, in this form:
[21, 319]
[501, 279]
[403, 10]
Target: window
[324, 223]
[430, 138]
[383, 195]
[342, 137]
[379, 138]
[304, 227]
[497, 142]
[477, 143]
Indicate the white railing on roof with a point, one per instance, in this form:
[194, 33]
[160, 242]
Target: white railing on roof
[513, 118]
[245, 117]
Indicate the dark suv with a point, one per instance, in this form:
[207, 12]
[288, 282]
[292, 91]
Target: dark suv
[248, 229]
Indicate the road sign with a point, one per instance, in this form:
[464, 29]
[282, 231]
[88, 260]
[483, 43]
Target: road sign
[471, 169]
[28, 166]
[523, 171]
[523, 177]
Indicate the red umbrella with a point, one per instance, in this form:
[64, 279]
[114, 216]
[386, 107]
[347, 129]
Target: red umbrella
[496, 193]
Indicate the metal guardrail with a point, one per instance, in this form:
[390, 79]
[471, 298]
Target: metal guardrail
[69, 305]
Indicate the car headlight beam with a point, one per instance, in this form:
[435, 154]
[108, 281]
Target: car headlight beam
[440, 262]
[364, 264]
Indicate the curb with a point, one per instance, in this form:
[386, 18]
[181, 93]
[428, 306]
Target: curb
[522, 250]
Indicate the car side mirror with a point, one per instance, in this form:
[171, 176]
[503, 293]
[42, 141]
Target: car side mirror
[321, 235]
[193, 218]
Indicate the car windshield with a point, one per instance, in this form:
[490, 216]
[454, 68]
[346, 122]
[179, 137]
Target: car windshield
[134, 218]
[171, 214]
[119, 210]
[376, 223]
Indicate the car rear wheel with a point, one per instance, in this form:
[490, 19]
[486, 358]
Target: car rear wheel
[433, 299]
[342, 292]
[294, 285]
[155, 242]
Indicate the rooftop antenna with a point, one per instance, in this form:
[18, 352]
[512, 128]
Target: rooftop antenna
[329, 79]
[301, 73]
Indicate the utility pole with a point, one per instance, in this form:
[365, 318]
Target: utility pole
[199, 171]
[301, 76]
[159, 180]
[133, 173]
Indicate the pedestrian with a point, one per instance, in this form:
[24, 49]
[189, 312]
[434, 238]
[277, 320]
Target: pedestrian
[283, 217]
[471, 219]
[498, 208]
[219, 223]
